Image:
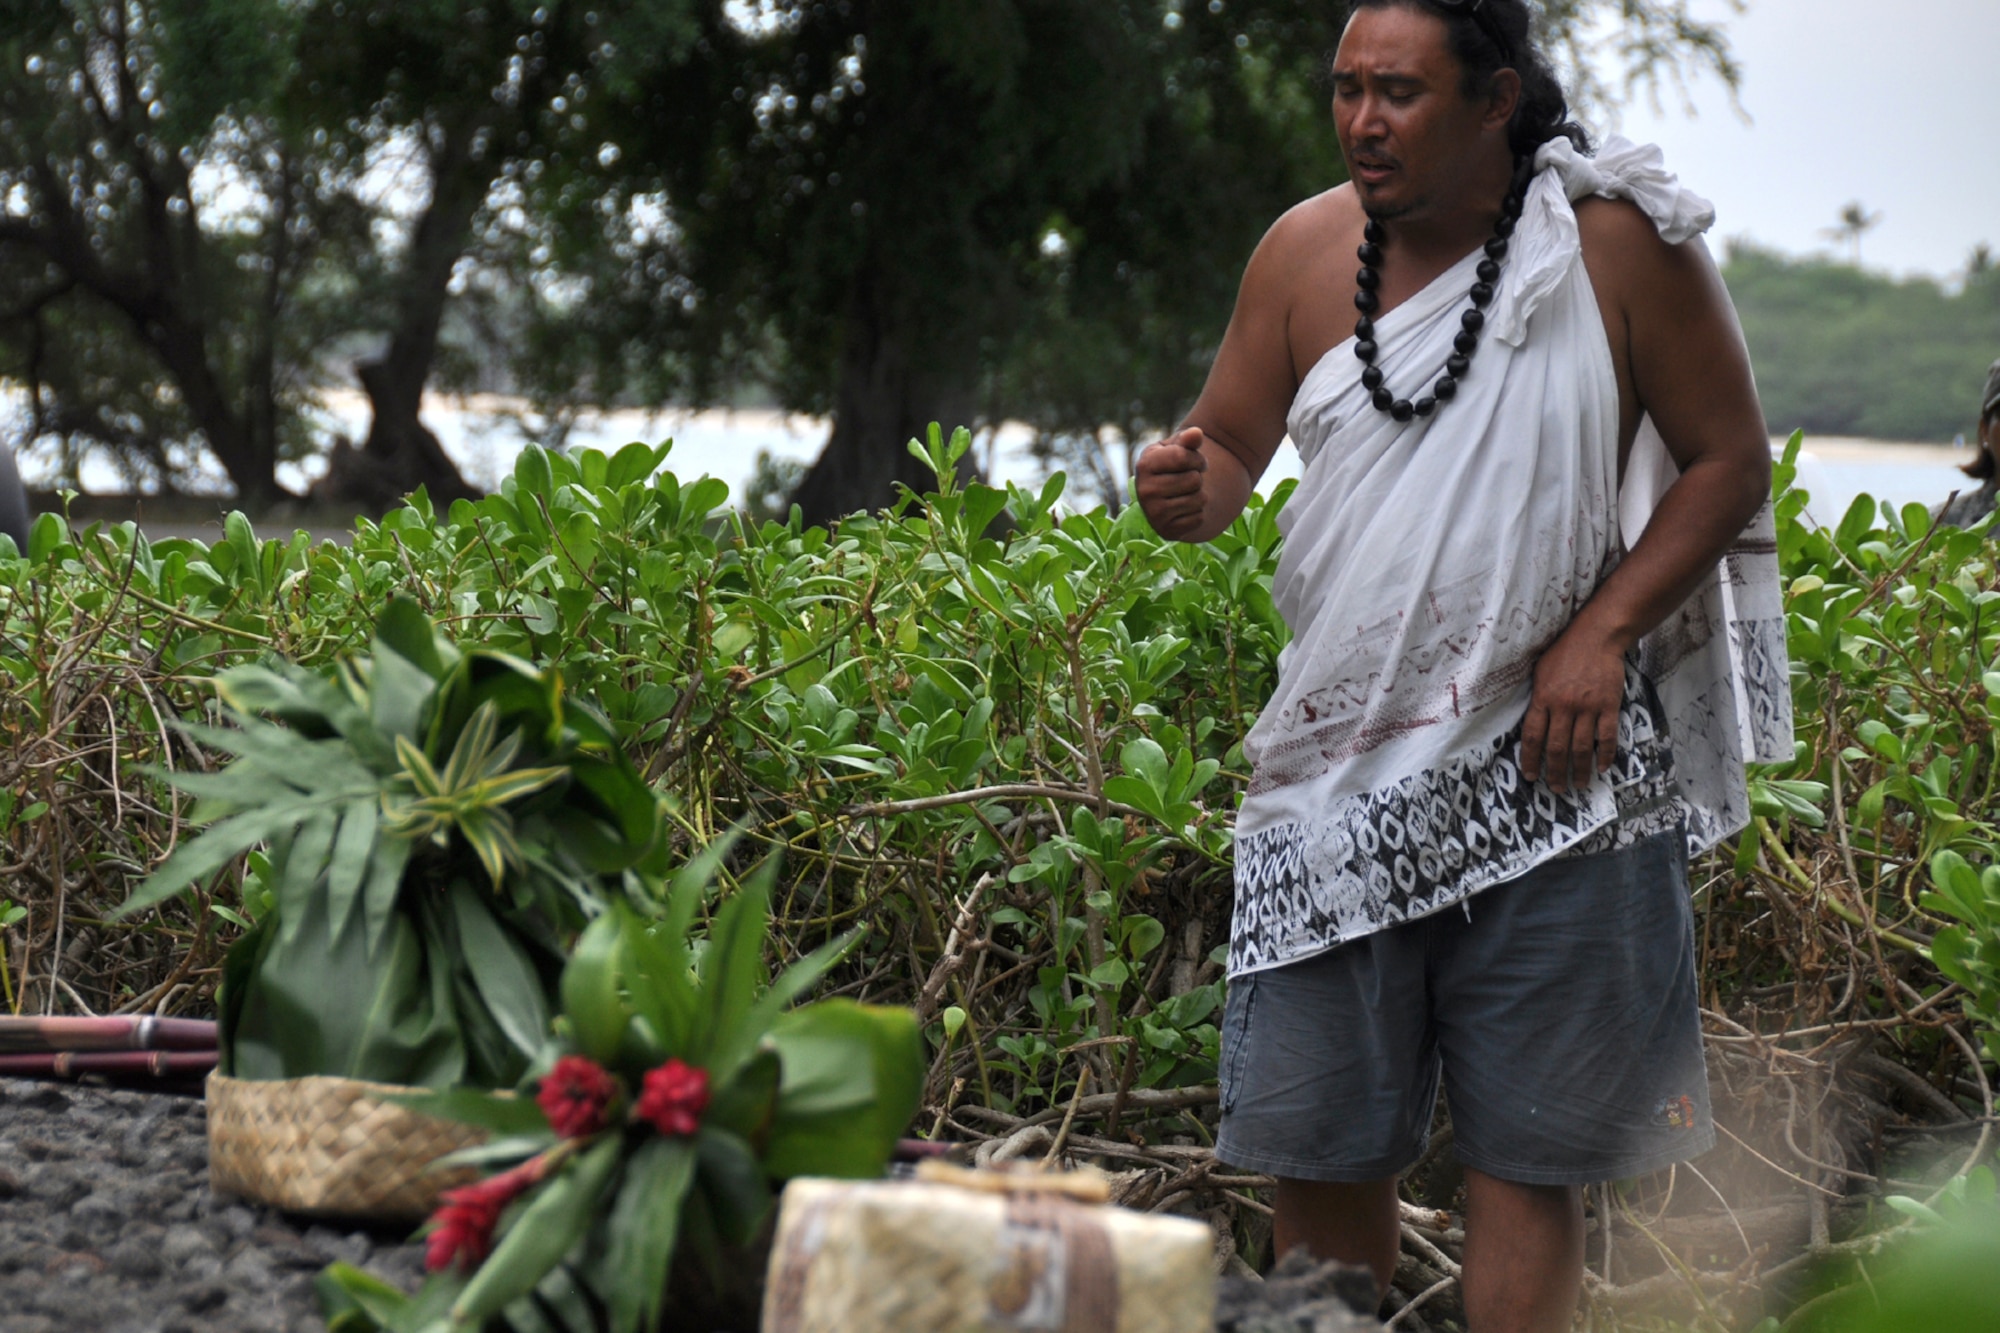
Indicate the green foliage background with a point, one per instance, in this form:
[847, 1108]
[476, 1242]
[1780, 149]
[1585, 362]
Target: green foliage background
[1086, 679]
[1842, 351]
[1010, 750]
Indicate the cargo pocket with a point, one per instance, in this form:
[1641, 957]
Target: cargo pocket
[1235, 1052]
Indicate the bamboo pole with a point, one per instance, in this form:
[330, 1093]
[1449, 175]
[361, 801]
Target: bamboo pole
[114, 1064]
[40, 1036]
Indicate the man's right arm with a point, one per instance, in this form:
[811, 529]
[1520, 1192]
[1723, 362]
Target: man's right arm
[1193, 484]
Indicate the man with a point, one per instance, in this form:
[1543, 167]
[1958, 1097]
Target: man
[1504, 716]
[13, 501]
[1968, 508]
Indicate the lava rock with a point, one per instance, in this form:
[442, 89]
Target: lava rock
[100, 1216]
[43, 1097]
[183, 1243]
[1300, 1296]
[107, 1225]
[330, 1247]
[251, 1270]
[27, 1323]
[238, 1220]
[137, 1258]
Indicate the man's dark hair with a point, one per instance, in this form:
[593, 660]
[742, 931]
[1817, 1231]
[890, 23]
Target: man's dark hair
[1499, 35]
[1982, 467]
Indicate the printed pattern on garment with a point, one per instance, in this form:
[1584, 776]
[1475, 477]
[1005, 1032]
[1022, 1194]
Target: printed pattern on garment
[1764, 679]
[1436, 838]
[1451, 659]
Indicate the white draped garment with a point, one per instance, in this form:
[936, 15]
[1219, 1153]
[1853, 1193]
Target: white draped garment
[1427, 564]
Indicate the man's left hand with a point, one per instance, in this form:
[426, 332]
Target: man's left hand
[1571, 731]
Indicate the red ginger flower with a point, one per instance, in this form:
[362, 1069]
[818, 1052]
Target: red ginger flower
[673, 1098]
[575, 1096]
[462, 1229]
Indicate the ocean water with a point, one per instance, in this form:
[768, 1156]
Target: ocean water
[1833, 476]
[484, 434]
[1839, 484]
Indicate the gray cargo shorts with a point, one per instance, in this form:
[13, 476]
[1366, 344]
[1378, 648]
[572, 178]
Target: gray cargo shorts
[1560, 1009]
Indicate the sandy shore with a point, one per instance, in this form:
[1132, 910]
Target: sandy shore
[1842, 449]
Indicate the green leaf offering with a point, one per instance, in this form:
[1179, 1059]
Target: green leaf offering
[440, 825]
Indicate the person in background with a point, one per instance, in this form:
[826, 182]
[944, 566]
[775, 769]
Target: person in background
[1968, 507]
[13, 501]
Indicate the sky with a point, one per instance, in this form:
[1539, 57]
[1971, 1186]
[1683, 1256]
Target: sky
[1894, 104]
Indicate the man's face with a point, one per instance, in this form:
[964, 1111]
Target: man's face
[1407, 129]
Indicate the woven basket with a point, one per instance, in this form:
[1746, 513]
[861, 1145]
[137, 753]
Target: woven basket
[330, 1147]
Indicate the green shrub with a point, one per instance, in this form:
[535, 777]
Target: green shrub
[1006, 739]
[1012, 750]
[1894, 633]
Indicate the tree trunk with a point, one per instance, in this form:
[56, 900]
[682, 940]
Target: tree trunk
[162, 302]
[885, 400]
[250, 462]
[401, 453]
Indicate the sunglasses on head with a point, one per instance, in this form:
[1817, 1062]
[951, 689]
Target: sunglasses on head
[1479, 14]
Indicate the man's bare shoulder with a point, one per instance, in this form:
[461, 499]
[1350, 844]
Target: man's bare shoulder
[1305, 229]
[1617, 229]
[1643, 280]
[1621, 245]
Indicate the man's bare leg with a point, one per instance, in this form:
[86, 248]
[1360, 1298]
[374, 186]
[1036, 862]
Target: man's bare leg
[1523, 1255]
[1353, 1223]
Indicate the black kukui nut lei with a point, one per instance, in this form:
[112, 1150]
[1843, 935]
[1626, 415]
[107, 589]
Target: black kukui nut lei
[1368, 300]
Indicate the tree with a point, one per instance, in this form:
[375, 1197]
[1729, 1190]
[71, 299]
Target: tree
[132, 323]
[898, 212]
[890, 211]
[440, 83]
[195, 221]
[903, 208]
[1855, 222]
[484, 99]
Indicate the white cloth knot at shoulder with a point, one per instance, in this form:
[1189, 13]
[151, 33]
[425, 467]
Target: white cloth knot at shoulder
[1546, 242]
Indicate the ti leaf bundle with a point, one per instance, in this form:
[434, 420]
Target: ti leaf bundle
[438, 826]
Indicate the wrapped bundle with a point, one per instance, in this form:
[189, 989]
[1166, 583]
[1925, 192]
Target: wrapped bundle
[959, 1252]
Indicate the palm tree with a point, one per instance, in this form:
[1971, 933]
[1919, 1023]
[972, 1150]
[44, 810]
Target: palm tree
[1854, 222]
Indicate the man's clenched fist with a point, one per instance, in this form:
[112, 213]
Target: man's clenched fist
[1169, 479]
